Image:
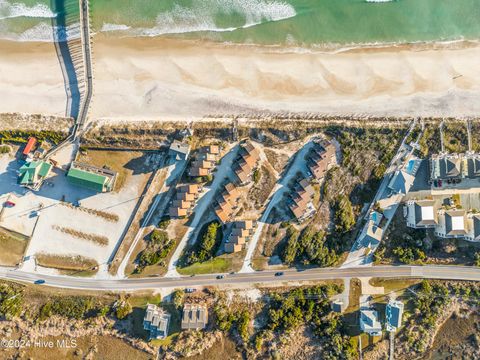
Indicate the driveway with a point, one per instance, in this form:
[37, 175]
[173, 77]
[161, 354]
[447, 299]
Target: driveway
[224, 171]
[278, 191]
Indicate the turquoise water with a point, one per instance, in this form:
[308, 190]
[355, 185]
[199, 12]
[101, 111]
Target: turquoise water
[271, 22]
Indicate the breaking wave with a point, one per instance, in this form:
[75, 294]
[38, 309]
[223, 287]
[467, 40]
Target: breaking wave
[202, 16]
[43, 32]
[14, 10]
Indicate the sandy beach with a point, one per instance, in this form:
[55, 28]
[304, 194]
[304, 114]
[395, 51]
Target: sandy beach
[154, 78]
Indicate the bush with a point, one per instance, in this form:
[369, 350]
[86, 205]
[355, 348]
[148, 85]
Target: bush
[158, 248]
[11, 301]
[4, 149]
[344, 216]
[72, 307]
[409, 255]
[123, 309]
[257, 175]
[163, 224]
[208, 245]
[159, 237]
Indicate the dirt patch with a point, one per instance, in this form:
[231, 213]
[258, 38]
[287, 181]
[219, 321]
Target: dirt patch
[97, 239]
[72, 263]
[260, 191]
[12, 247]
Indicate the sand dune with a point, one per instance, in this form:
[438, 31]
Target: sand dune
[167, 79]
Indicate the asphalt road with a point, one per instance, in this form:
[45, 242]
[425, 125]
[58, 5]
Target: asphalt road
[259, 277]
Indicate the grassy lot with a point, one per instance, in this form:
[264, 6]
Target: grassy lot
[12, 247]
[216, 265]
[399, 286]
[220, 264]
[124, 162]
[74, 264]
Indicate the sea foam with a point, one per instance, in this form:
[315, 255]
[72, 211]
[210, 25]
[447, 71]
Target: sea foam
[201, 16]
[14, 10]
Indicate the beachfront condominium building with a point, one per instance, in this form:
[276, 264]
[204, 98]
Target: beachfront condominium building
[393, 315]
[156, 321]
[422, 214]
[195, 316]
[369, 322]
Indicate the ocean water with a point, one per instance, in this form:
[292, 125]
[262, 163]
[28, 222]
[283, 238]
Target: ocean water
[269, 22]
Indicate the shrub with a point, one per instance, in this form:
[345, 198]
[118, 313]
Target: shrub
[163, 224]
[123, 309]
[11, 301]
[159, 237]
[344, 216]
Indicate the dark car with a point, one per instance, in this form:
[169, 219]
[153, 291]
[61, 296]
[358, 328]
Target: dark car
[39, 282]
[190, 290]
[279, 273]
[220, 276]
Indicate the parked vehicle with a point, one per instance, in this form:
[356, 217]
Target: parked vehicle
[190, 290]
[9, 204]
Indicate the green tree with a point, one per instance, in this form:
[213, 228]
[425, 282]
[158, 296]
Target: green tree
[123, 309]
[344, 216]
[178, 298]
[11, 301]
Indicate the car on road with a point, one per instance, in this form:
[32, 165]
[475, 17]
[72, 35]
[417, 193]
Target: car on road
[39, 282]
[279, 273]
[220, 277]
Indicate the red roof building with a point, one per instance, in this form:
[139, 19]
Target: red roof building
[29, 147]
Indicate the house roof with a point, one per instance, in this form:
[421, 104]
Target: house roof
[30, 144]
[231, 247]
[476, 227]
[455, 222]
[182, 204]
[195, 316]
[191, 188]
[393, 313]
[236, 239]
[177, 212]
[369, 320]
[298, 210]
[222, 214]
[231, 188]
[180, 147]
[80, 174]
[451, 166]
[212, 149]
[425, 212]
[401, 182]
[185, 196]
[240, 232]
[34, 171]
[245, 224]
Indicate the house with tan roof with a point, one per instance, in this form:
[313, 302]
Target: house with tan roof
[320, 158]
[195, 316]
[240, 234]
